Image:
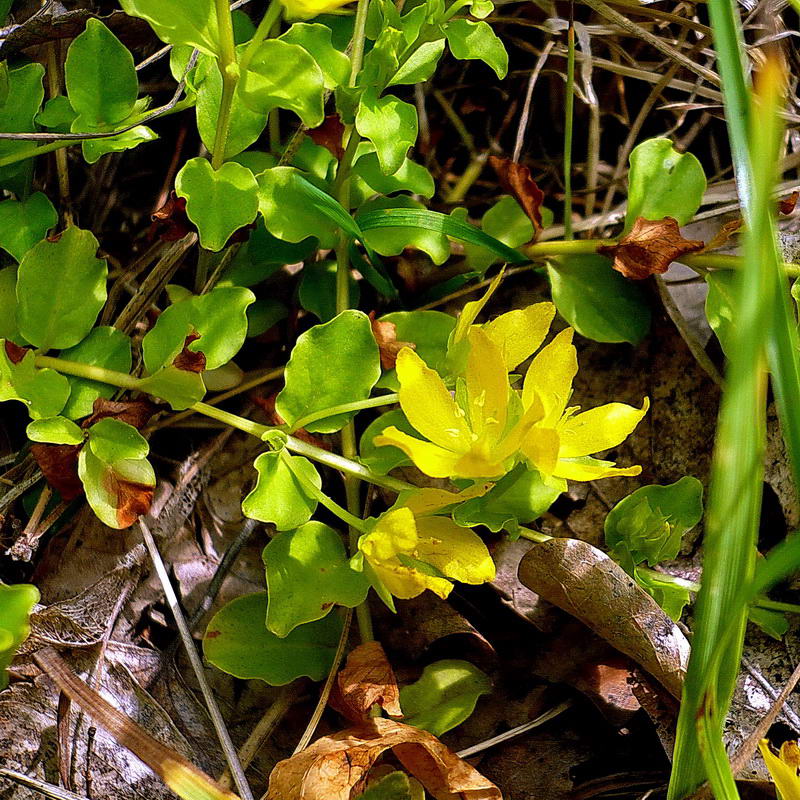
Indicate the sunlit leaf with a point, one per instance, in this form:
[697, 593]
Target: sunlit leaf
[16, 603]
[23, 223]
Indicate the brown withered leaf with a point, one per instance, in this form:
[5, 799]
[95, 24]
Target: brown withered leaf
[14, 352]
[59, 465]
[329, 135]
[189, 360]
[336, 767]
[134, 412]
[585, 582]
[170, 222]
[731, 227]
[385, 334]
[787, 205]
[517, 181]
[649, 248]
[367, 678]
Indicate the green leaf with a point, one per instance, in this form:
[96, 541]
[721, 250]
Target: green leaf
[411, 177]
[43, 391]
[330, 365]
[278, 496]
[317, 292]
[181, 389]
[308, 572]
[94, 149]
[385, 458]
[189, 22]
[444, 696]
[286, 209]
[265, 313]
[429, 331]
[597, 301]
[104, 347]
[238, 642]
[17, 113]
[245, 124]
[8, 302]
[650, 522]
[506, 222]
[663, 183]
[16, 604]
[316, 40]
[720, 304]
[218, 202]
[100, 77]
[394, 786]
[25, 222]
[773, 623]
[390, 124]
[61, 287]
[57, 114]
[477, 41]
[421, 65]
[219, 318]
[520, 496]
[391, 241]
[284, 75]
[55, 430]
[115, 473]
[671, 597]
[380, 63]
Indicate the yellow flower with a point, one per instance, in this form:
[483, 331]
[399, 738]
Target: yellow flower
[560, 444]
[472, 439]
[783, 768]
[306, 9]
[409, 554]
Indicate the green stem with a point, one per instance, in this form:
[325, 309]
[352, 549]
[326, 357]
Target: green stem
[36, 150]
[264, 30]
[359, 405]
[568, 115]
[229, 70]
[359, 40]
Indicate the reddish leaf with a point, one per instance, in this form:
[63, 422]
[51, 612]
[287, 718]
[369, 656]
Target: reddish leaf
[131, 500]
[134, 412]
[329, 135]
[170, 222]
[786, 206]
[14, 352]
[366, 679]
[336, 767]
[59, 465]
[385, 334]
[650, 247]
[189, 360]
[516, 180]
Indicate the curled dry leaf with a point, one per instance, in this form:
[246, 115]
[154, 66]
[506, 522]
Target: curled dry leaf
[649, 248]
[366, 679]
[336, 767]
[170, 222]
[130, 499]
[189, 360]
[59, 465]
[385, 334]
[14, 352]
[731, 227]
[329, 135]
[134, 412]
[585, 582]
[516, 180]
[787, 205]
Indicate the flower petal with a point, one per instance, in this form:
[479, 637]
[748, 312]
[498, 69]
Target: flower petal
[487, 387]
[430, 458]
[520, 333]
[512, 441]
[405, 583]
[429, 500]
[428, 405]
[599, 428]
[541, 448]
[457, 552]
[782, 770]
[591, 469]
[550, 376]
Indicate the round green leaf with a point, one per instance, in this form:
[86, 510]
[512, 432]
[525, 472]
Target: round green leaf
[104, 347]
[390, 124]
[421, 65]
[444, 696]
[218, 202]
[8, 302]
[238, 642]
[316, 40]
[112, 440]
[265, 313]
[61, 287]
[506, 222]
[597, 301]
[16, 603]
[43, 391]
[308, 572]
[57, 114]
[330, 365]
[722, 285]
[181, 389]
[278, 496]
[284, 75]
[317, 292]
[394, 786]
[23, 223]
[55, 430]
[94, 149]
[411, 177]
[385, 458]
[17, 112]
[663, 183]
[101, 80]
[477, 41]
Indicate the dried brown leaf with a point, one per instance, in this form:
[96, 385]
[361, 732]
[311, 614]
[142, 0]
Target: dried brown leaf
[385, 334]
[336, 767]
[731, 227]
[517, 181]
[787, 205]
[170, 222]
[134, 412]
[367, 678]
[59, 465]
[649, 248]
[329, 135]
[14, 352]
[190, 360]
[130, 499]
[585, 582]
